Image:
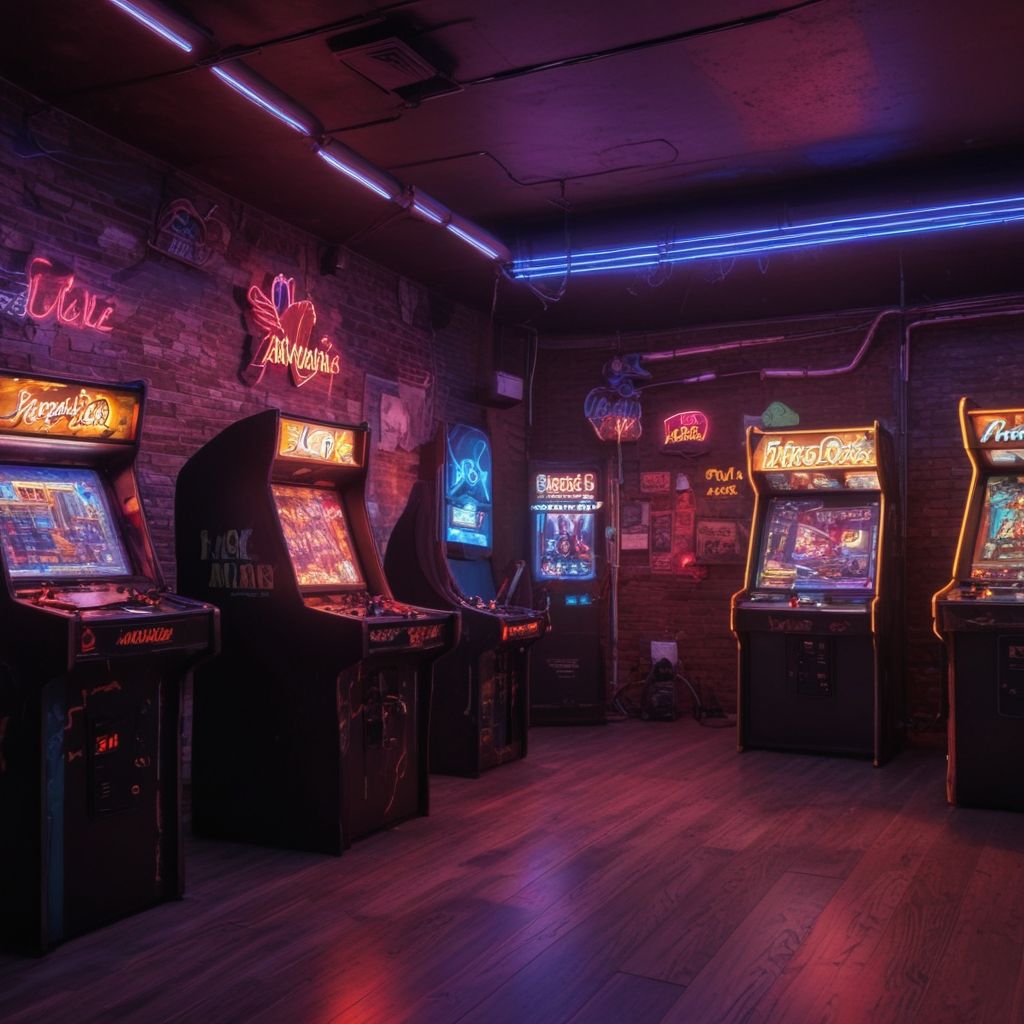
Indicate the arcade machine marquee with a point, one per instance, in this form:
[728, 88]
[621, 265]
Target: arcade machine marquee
[979, 615]
[440, 554]
[309, 730]
[93, 651]
[813, 621]
[568, 684]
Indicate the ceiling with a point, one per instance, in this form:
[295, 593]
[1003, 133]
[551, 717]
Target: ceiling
[590, 120]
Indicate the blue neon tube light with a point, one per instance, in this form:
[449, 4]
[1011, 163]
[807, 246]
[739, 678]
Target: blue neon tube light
[766, 240]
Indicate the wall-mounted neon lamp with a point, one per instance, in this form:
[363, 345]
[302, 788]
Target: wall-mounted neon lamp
[488, 246]
[259, 91]
[144, 17]
[342, 159]
[920, 220]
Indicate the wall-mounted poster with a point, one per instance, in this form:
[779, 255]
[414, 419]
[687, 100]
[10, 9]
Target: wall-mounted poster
[661, 541]
[721, 541]
[655, 483]
[635, 525]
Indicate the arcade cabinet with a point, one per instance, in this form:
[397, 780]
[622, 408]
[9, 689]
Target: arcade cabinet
[439, 555]
[310, 729]
[93, 655]
[979, 615]
[568, 673]
[815, 620]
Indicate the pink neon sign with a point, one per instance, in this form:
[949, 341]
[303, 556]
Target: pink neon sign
[53, 294]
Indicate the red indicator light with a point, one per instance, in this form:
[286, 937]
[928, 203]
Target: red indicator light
[108, 742]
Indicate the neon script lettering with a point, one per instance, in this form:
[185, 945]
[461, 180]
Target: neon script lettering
[686, 428]
[830, 451]
[287, 327]
[997, 431]
[55, 295]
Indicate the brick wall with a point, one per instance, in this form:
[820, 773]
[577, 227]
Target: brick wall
[91, 205]
[981, 357]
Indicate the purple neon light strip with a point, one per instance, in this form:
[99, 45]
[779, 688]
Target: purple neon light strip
[153, 25]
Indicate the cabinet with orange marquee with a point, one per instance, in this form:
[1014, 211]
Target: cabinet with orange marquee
[94, 654]
[816, 619]
[979, 615]
[310, 729]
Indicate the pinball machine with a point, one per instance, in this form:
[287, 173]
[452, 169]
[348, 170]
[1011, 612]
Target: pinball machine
[94, 652]
[568, 681]
[979, 615]
[816, 619]
[439, 554]
[310, 729]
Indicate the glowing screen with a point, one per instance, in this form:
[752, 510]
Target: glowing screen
[811, 544]
[317, 536]
[56, 522]
[999, 553]
[564, 545]
[467, 488]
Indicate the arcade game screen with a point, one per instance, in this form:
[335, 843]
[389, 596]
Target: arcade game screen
[57, 523]
[999, 553]
[467, 488]
[317, 536]
[565, 545]
[813, 545]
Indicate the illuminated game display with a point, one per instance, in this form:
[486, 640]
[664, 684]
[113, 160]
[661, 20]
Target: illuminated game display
[468, 501]
[317, 537]
[439, 554]
[815, 621]
[57, 523]
[999, 549]
[564, 545]
[979, 615]
[96, 653]
[812, 545]
[568, 665]
[310, 729]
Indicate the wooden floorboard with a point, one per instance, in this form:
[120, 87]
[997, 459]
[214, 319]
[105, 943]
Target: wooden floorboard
[640, 872]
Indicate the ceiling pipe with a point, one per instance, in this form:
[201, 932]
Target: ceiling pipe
[700, 350]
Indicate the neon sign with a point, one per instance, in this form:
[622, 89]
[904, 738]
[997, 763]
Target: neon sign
[30, 405]
[685, 428]
[467, 494]
[150, 635]
[316, 442]
[723, 483]
[614, 410]
[287, 326]
[52, 294]
[841, 448]
[565, 485]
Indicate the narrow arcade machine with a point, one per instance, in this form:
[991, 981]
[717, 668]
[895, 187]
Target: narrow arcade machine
[440, 555]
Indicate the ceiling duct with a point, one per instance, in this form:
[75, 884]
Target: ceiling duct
[393, 56]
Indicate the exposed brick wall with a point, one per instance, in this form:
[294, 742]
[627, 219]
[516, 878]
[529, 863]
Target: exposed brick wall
[984, 358]
[92, 203]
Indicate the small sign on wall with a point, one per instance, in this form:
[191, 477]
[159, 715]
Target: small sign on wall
[635, 525]
[721, 541]
[655, 483]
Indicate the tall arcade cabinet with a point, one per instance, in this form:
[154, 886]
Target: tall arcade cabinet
[816, 619]
[309, 730]
[93, 655]
[979, 615]
[568, 682]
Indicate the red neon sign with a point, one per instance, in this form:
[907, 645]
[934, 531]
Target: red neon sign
[287, 326]
[52, 294]
[683, 428]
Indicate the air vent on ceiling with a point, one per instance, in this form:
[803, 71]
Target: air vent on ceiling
[383, 54]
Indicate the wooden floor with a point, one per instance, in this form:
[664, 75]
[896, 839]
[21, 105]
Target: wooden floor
[639, 872]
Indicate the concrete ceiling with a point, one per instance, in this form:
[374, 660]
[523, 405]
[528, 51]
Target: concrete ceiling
[589, 120]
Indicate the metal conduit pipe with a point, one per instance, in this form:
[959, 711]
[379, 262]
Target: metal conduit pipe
[930, 321]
